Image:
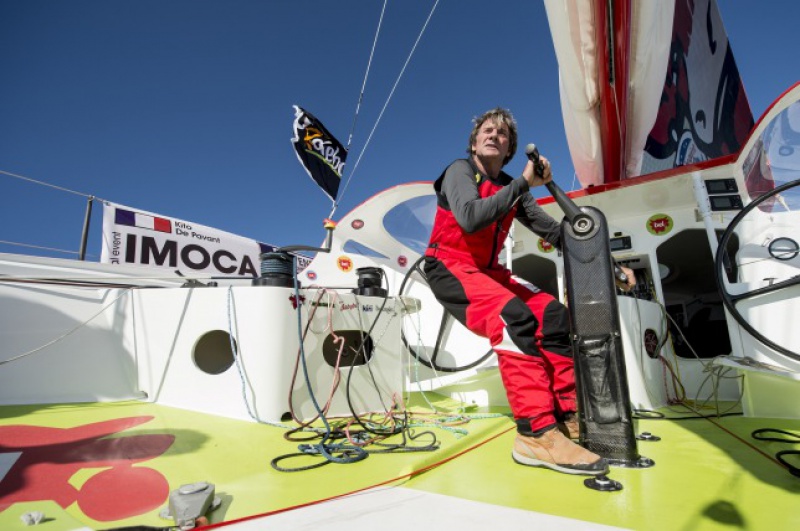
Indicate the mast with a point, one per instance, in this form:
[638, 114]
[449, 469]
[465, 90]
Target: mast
[613, 43]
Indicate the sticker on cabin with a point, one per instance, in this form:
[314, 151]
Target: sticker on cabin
[357, 224]
[311, 275]
[402, 261]
[294, 301]
[659, 224]
[545, 246]
[344, 263]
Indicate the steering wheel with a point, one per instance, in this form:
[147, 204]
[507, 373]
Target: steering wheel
[432, 362]
[729, 299]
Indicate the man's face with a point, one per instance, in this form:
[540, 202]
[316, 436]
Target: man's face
[491, 141]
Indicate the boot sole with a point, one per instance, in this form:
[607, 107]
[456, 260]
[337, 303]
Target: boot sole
[594, 469]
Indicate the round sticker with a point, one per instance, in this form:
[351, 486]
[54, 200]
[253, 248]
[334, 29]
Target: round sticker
[402, 261]
[659, 224]
[545, 246]
[357, 224]
[311, 275]
[345, 263]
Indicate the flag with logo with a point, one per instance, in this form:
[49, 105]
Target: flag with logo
[318, 151]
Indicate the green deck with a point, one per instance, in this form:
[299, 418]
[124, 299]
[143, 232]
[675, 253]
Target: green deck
[704, 476]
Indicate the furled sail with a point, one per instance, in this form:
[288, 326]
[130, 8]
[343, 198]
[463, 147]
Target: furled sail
[646, 86]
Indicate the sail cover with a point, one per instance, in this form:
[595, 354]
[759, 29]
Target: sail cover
[684, 101]
[322, 156]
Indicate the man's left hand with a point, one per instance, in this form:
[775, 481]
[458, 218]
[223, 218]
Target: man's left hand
[631, 279]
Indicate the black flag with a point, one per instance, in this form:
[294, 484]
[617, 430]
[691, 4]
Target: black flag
[318, 151]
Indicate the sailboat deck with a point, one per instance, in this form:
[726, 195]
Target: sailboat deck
[105, 466]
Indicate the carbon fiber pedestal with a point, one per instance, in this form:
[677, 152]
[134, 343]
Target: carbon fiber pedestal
[603, 396]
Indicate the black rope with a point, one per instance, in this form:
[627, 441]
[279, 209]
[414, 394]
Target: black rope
[401, 428]
[648, 414]
[343, 452]
[788, 438]
[336, 453]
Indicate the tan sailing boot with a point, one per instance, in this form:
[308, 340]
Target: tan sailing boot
[570, 426]
[554, 451]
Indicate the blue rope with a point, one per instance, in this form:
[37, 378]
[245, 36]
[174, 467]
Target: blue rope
[349, 454]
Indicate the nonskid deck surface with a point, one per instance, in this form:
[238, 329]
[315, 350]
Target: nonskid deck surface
[112, 465]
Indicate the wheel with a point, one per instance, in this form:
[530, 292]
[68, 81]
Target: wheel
[783, 249]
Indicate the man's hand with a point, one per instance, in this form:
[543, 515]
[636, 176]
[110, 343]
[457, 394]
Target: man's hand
[631, 279]
[529, 173]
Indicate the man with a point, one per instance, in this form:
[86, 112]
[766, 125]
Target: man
[528, 328]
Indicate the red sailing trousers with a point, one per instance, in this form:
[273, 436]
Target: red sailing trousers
[528, 329]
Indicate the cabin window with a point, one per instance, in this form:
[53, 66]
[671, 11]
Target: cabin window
[410, 222]
[354, 247]
[775, 158]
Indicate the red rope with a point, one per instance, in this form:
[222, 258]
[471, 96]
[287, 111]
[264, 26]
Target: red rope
[388, 481]
[743, 441]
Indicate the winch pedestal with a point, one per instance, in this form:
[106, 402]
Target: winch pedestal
[603, 398]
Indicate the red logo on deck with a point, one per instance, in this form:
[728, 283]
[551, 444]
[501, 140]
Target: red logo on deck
[50, 457]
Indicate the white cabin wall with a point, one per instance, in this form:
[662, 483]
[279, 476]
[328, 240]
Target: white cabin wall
[79, 339]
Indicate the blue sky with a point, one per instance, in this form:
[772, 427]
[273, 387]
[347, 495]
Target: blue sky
[184, 107]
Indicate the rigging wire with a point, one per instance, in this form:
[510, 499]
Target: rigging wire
[385, 105]
[40, 247]
[69, 332]
[366, 75]
[82, 254]
[42, 183]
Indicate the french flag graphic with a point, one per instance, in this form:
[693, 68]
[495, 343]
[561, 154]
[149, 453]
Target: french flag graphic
[142, 221]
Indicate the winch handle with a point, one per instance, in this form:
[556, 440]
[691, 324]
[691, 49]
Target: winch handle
[571, 210]
[581, 223]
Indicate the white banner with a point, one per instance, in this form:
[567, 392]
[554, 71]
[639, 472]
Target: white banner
[132, 236]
